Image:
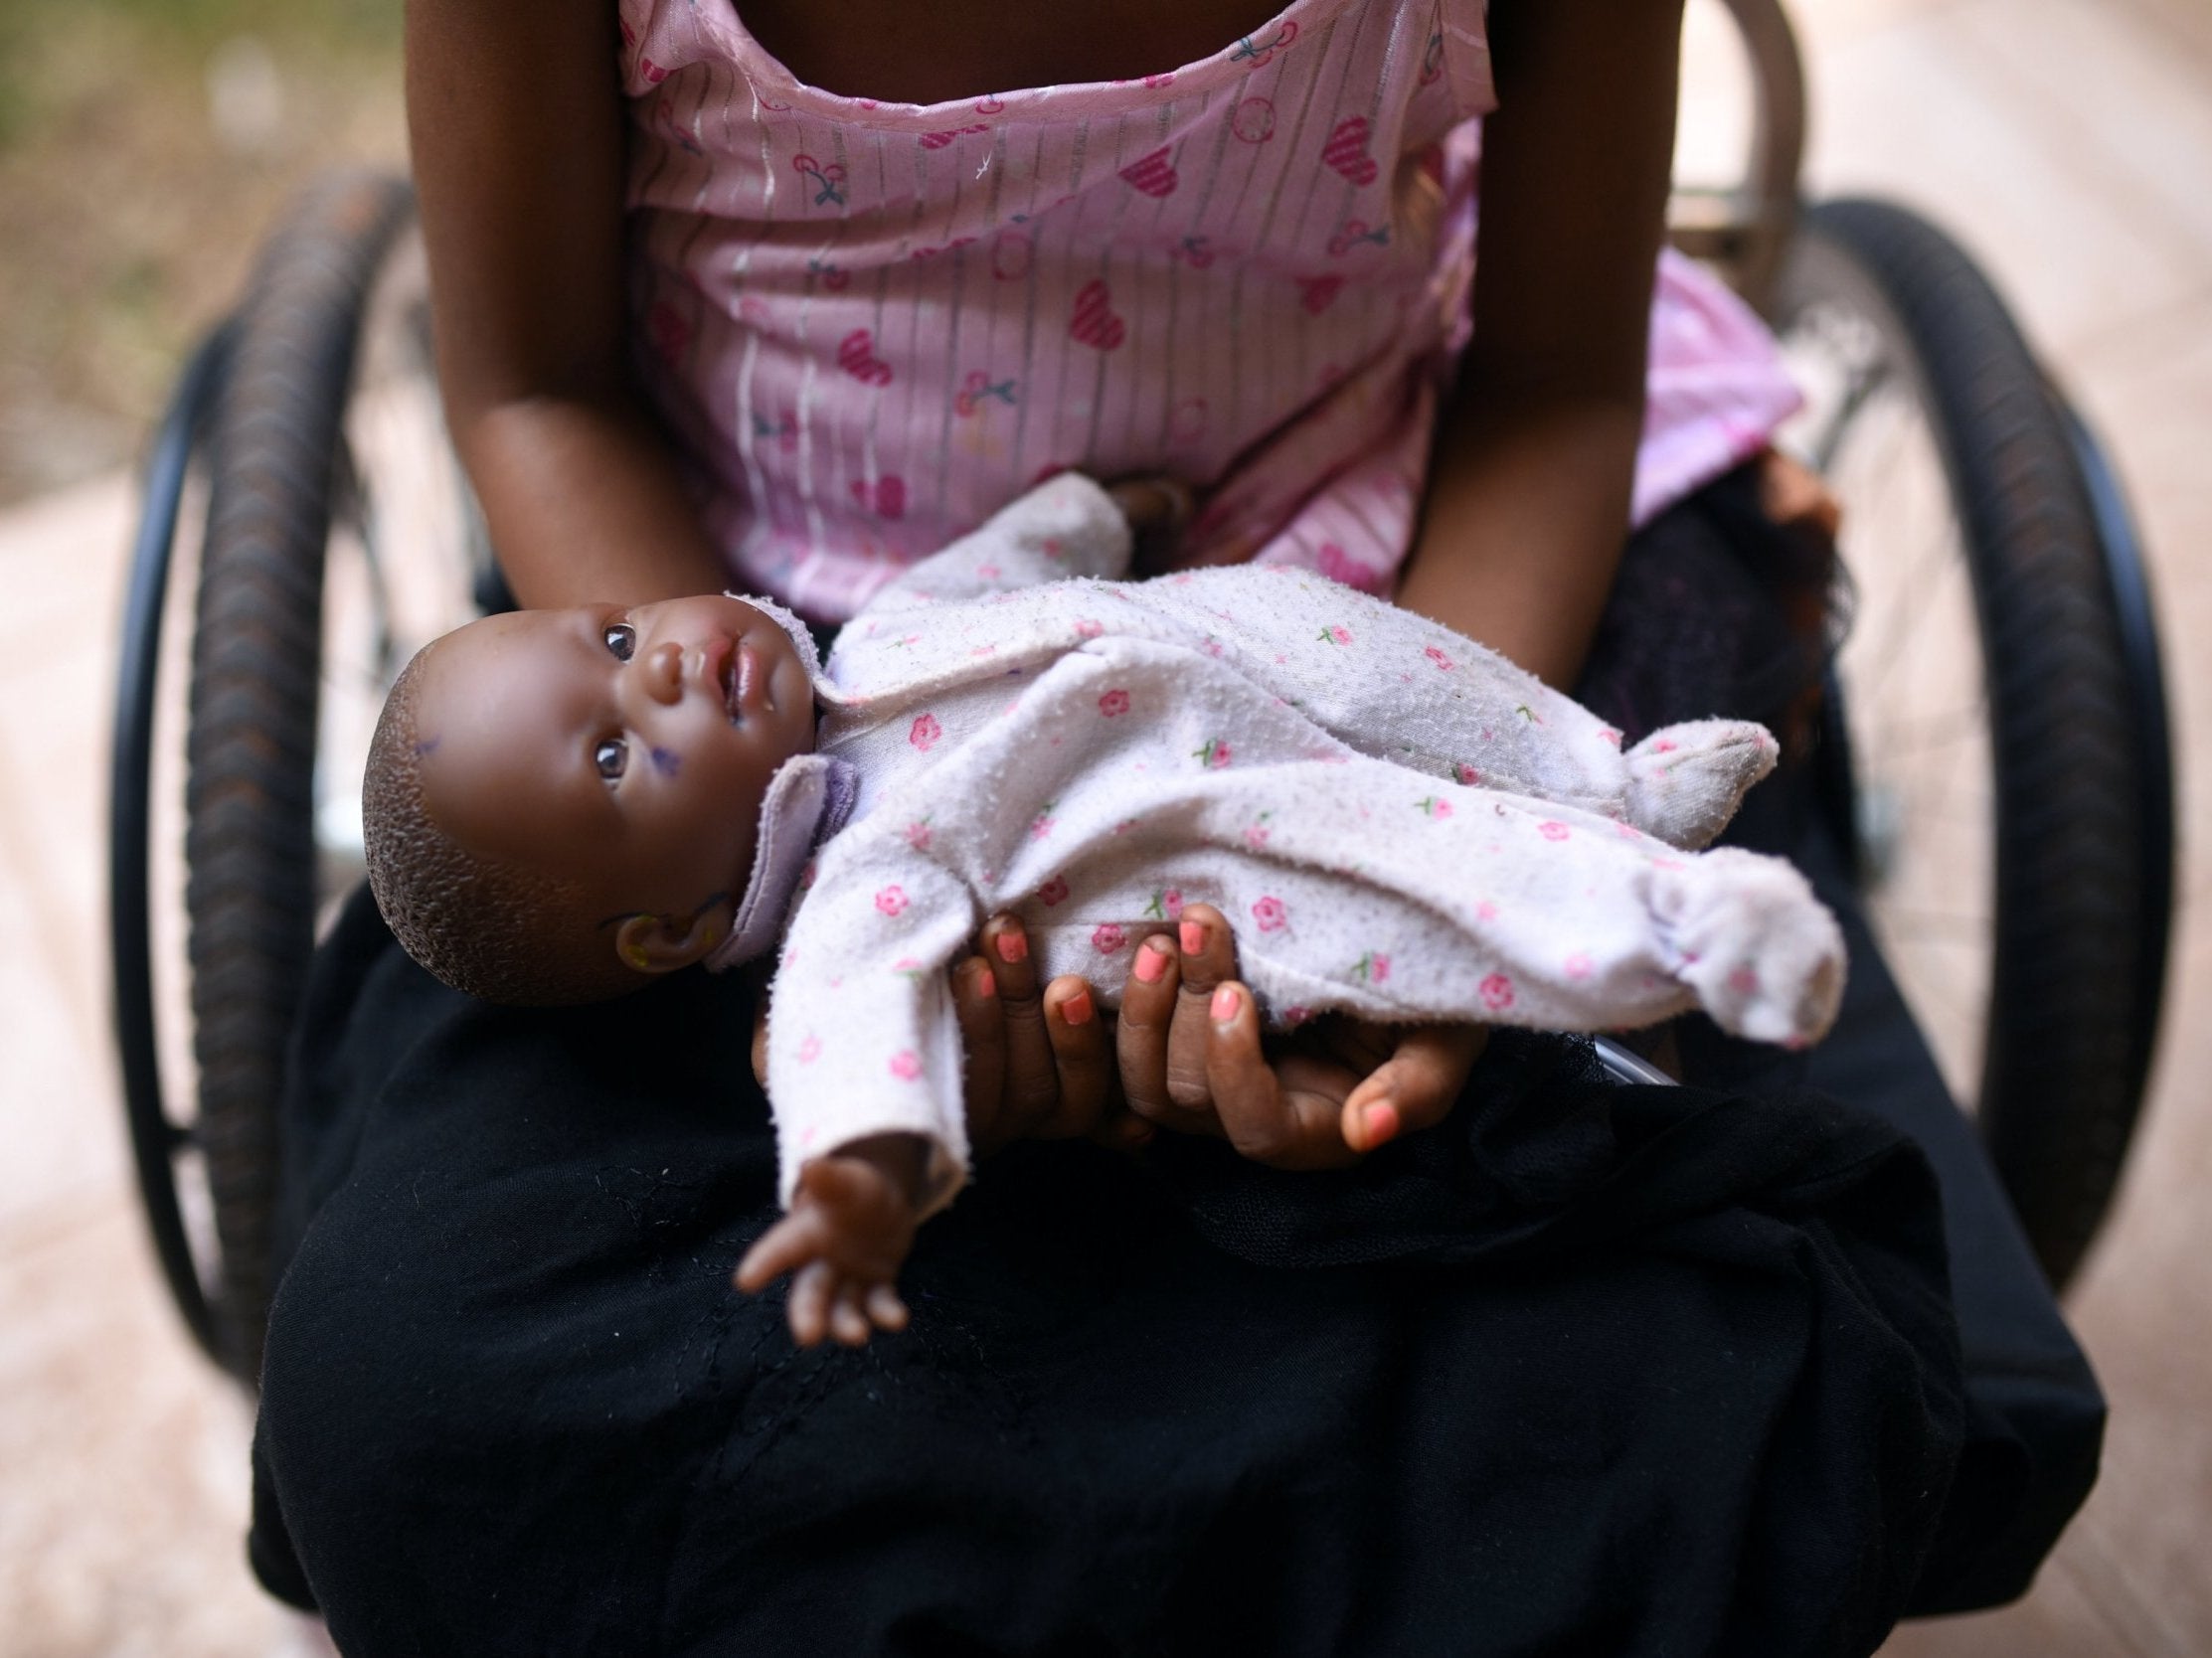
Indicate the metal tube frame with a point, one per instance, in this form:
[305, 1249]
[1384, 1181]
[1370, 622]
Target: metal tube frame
[1745, 229]
[155, 1137]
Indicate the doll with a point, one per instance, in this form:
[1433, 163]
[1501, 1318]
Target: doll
[1399, 823]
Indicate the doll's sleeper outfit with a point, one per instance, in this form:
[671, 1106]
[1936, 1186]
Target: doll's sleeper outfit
[873, 324]
[1398, 822]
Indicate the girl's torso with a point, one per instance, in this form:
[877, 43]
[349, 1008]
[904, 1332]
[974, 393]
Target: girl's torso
[958, 51]
[872, 323]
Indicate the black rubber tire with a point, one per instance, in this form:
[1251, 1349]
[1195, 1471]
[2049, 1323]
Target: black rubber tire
[249, 845]
[2071, 1007]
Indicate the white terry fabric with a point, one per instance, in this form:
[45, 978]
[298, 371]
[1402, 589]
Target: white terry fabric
[1398, 822]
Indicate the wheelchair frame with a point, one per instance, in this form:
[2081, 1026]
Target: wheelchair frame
[309, 311]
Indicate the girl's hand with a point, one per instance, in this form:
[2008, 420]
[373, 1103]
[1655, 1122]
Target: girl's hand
[1040, 1065]
[1797, 497]
[1047, 1065]
[1192, 1058]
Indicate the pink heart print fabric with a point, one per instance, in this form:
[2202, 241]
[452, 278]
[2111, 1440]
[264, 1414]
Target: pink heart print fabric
[1252, 272]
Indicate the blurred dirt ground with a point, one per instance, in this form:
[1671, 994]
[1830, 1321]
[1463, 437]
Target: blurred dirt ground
[144, 146]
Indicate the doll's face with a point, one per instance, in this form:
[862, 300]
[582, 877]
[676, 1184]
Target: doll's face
[627, 750]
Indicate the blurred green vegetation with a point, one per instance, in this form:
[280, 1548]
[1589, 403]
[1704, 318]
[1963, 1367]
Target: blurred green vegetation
[145, 146]
[33, 33]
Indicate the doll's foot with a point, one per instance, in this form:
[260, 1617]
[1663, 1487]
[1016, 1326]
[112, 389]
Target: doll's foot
[1685, 781]
[1762, 955]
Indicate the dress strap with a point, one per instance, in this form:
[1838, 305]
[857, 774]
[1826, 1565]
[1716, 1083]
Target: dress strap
[1460, 47]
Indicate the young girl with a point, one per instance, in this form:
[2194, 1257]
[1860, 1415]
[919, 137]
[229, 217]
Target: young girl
[709, 316]
[1585, 1369]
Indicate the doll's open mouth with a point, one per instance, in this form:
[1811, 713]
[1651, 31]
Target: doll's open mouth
[732, 675]
[737, 673]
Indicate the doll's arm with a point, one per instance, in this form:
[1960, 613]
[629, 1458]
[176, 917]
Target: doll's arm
[863, 1039]
[864, 1077]
[1068, 526]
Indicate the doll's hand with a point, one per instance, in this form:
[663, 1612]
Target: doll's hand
[850, 1226]
[1192, 1059]
[1040, 1063]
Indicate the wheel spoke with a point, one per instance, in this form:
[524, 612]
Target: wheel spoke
[1946, 926]
[1944, 731]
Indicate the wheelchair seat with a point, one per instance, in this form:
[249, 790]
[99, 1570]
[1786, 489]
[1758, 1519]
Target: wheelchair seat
[274, 413]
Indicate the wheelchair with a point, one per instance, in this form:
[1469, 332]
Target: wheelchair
[1995, 753]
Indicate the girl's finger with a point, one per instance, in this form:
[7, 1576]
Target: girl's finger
[1122, 1130]
[1283, 1127]
[1031, 1091]
[1415, 1087]
[847, 1321]
[983, 1042]
[1081, 1054]
[761, 1042]
[1207, 960]
[1140, 1030]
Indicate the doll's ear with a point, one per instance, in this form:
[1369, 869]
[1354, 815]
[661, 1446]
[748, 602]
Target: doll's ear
[655, 945]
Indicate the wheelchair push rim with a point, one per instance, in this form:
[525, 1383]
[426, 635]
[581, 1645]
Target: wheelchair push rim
[156, 1137]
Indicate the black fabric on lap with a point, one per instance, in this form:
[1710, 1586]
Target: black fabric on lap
[1691, 1387]
[1755, 643]
[2036, 1424]
[1587, 1369]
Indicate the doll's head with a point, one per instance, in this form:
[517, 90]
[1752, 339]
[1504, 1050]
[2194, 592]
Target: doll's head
[561, 804]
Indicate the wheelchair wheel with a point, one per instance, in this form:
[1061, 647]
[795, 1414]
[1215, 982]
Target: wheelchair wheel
[334, 516]
[2002, 727]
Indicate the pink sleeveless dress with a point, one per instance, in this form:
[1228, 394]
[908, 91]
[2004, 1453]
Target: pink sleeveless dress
[874, 324]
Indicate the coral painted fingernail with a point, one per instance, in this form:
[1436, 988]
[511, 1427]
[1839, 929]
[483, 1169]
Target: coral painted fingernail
[1076, 1009]
[1192, 936]
[986, 984]
[1151, 961]
[1225, 1004]
[1013, 946]
[1380, 1119]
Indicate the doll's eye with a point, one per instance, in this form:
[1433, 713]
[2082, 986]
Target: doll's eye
[622, 639]
[611, 757]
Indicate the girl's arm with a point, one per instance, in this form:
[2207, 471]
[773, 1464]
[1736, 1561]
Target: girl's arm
[515, 114]
[1536, 452]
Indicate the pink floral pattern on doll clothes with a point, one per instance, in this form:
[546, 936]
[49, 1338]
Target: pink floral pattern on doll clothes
[1278, 745]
